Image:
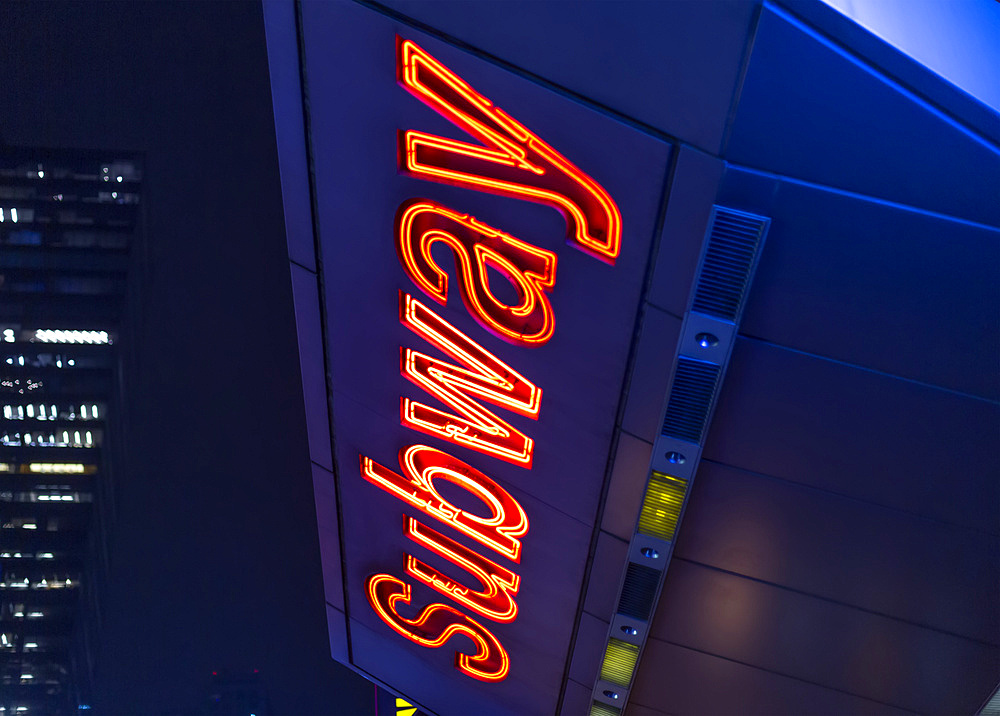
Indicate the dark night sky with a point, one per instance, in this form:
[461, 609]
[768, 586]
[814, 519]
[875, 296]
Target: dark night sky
[215, 562]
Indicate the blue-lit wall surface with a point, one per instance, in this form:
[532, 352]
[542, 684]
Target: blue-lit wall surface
[840, 548]
[956, 40]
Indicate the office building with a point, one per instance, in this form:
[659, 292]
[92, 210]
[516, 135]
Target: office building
[67, 220]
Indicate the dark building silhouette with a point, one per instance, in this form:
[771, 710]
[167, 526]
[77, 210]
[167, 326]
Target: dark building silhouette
[237, 694]
[67, 219]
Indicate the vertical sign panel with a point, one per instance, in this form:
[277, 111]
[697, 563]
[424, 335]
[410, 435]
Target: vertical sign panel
[483, 242]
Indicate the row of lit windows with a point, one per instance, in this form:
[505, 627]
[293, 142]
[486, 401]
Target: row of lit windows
[87, 411]
[20, 523]
[13, 334]
[14, 215]
[120, 171]
[57, 498]
[26, 678]
[11, 195]
[63, 168]
[12, 582]
[46, 493]
[65, 336]
[52, 522]
[75, 439]
[8, 641]
[65, 216]
[48, 468]
[42, 360]
[71, 213]
[27, 555]
[68, 215]
[29, 496]
[19, 612]
[20, 385]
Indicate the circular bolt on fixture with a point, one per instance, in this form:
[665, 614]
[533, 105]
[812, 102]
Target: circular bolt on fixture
[707, 340]
[650, 552]
[675, 458]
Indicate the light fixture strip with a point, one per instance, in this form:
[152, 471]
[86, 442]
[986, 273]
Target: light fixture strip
[730, 254]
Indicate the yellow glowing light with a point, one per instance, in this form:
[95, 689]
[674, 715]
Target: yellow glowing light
[661, 508]
[67, 468]
[619, 662]
[599, 709]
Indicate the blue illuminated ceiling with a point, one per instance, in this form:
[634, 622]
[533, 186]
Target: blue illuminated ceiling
[959, 40]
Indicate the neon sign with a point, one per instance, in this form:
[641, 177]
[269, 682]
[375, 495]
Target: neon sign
[422, 465]
[501, 584]
[491, 379]
[531, 270]
[435, 625]
[513, 162]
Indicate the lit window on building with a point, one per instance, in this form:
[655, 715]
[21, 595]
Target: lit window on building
[48, 335]
[58, 439]
[50, 411]
[50, 360]
[18, 334]
[65, 468]
[20, 386]
[66, 221]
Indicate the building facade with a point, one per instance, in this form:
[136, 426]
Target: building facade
[67, 220]
[649, 353]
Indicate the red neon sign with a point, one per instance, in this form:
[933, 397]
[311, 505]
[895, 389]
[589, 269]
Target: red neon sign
[514, 161]
[435, 625]
[422, 465]
[485, 376]
[500, 584]
[532, 271]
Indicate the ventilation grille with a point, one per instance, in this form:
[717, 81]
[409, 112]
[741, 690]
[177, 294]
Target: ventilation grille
[599, 709]
[638, 591]
[733, 240]
[619, 662]
[690, 399]
[992, 707]
[661, 508]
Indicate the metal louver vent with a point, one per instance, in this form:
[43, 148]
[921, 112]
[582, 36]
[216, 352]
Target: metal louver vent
[599, 709]
[638, 592]
[690, 399]
[992, 707]
[733, 240]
